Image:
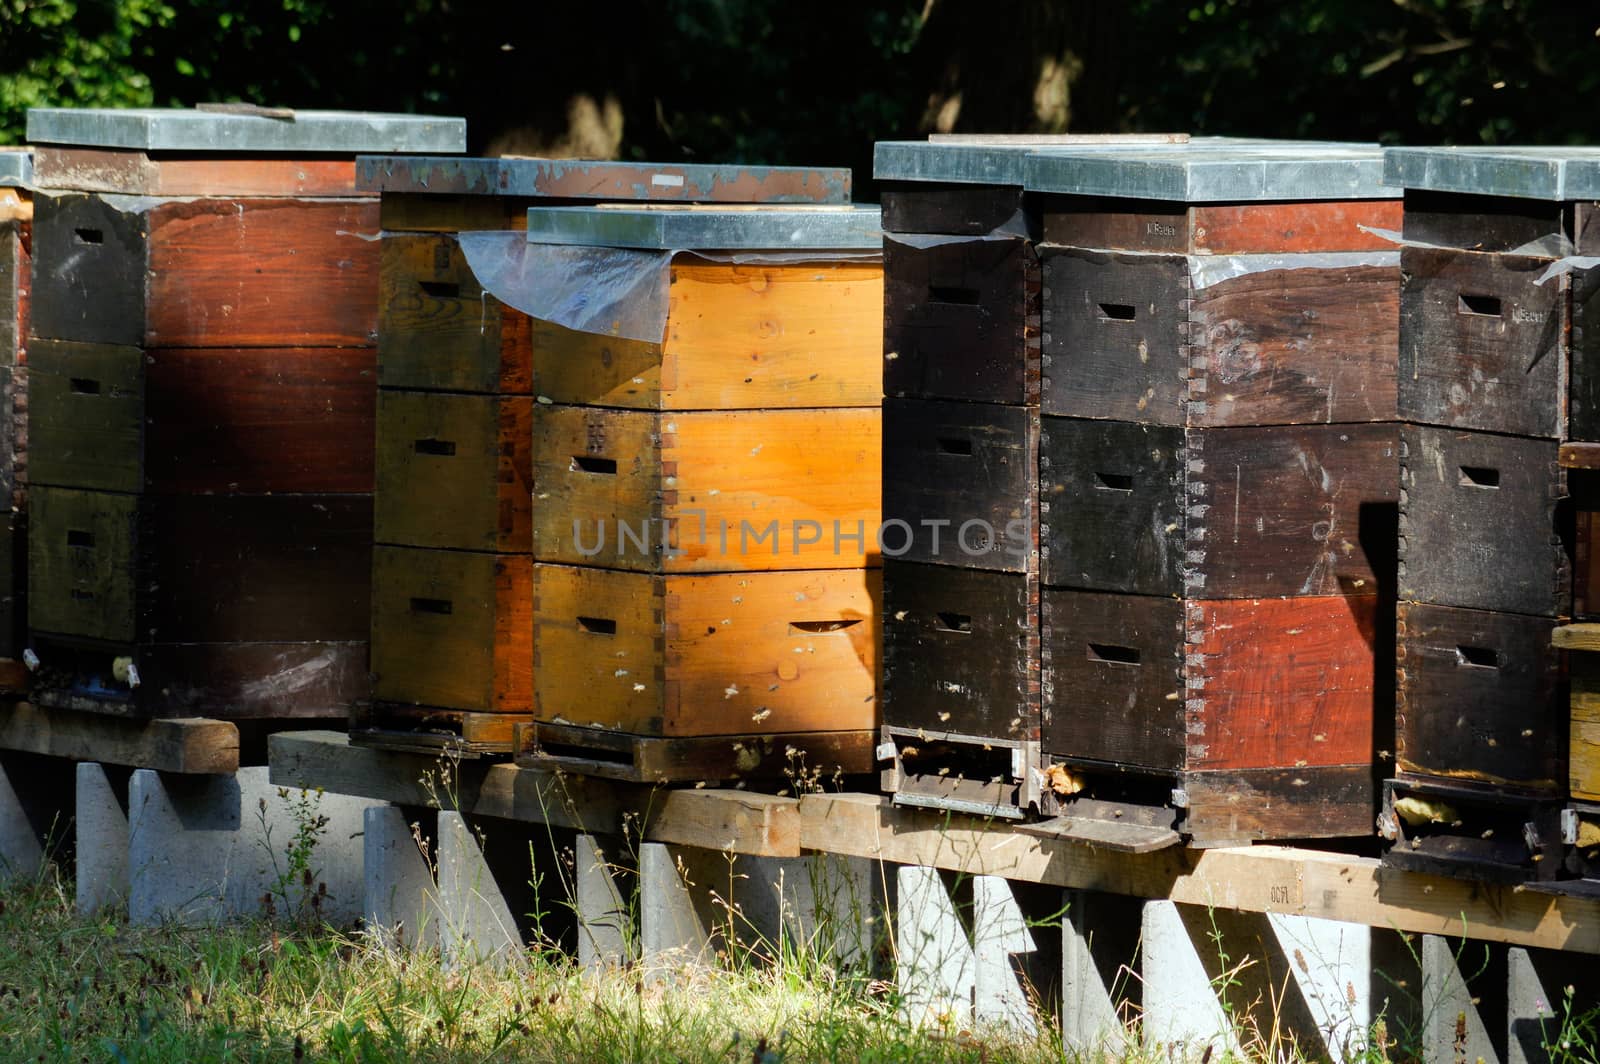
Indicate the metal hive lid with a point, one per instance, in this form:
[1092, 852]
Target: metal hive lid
[601, 180]
[205, 130]
[1543, 173]
[16, 167]
[718, 229]
[1237, 173]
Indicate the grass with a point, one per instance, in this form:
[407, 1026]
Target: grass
[97, 989]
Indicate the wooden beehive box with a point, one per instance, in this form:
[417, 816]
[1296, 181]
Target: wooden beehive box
[787, 656]
[16, 278]
[238, 605]
[706, 491]
[1496, 336]
[205, 313]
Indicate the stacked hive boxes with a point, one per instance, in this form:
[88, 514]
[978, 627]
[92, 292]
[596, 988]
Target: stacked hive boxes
[1488, 323]
[1218, 473]
[16, 275]
[203, 389]
[961, 429]
[452, 622]
[706, 465]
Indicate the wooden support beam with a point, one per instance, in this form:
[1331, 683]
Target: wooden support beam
[1275, 879]
[1580, 455]
[1576, 637]
[733, 821]
[193, 746]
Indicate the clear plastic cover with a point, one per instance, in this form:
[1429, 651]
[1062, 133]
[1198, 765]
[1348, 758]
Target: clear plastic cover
[618, 292]
[1207, 270]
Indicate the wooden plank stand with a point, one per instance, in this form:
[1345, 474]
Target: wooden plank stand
[433, 730]
[1467, 833]
[799, 756]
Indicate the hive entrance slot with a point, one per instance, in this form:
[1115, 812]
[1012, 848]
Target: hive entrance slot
[1482, 306]
[443, 607]
[85, 386]
[583, 463]
[955, 622]
[823, 627]
[1113, 481]
[598, 625]
[1114, 654]
[79, 538]
[440, 448]
[951, 445]
[441, 289]
[1478, 657]
[90, 236]
[1117, 312]
[1479, 477]
[960, 297]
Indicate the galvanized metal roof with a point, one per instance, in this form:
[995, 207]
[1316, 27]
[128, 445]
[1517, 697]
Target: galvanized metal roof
[602, 180]
[1239, 173]
[1543, 173]
[178, 129]
[709, 229]
[16, 167]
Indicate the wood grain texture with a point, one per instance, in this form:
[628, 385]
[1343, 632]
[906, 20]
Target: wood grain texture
[1113, 670]
[694, 759]
[1219, 228]
[192, 746]
[438, 329]
[1279, 879]
[207, 272]
[263, 273]
[1234, 685]
[16, 276]
[13, 584]
[1130, 338]
[737, 337]
[956, 210]
[961, 321]
[179, 569]
[455, 471]
[231, 681]
[1583, 775]
[960, 650]
[733, 821]
[960, 484]
[185, 421]
[1481, 522]
[739, 490]
[1219, 513]
[453, 629]
[137, 173]
[725, 654]
[1482, 346]
[1481, 700]
[1115, 325]
[1113, 505]
[1328, 802]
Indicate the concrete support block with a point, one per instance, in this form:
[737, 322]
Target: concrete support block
[935, 966]
[401, 903]
[682, 906]
[1182, 1013]
[21, 852]
[1090, 1025]
[204, 848]
[825, 905]
[1331, 964]
[1001, 944]
[607, 935]
[102, 851]
[475, 923]
[1452, 1026]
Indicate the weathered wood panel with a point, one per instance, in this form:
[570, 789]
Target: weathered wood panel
[453, 629]
[455, 471]
[438, 329]
[1219, 228]
[1583, 402]
[961, 320]
[960, 483]
[692, 655]
[1481, 522]
[737, 337]
[1583, 776]
[206, 272]
[747, 490]
[195, 569]
[1491, 224]
[1481, 699]
[1219, 513]
[1481, 345]
[1131, 337]
[960, 650]
[137, 173]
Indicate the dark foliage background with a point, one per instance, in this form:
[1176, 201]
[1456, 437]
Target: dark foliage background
[782, 82]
